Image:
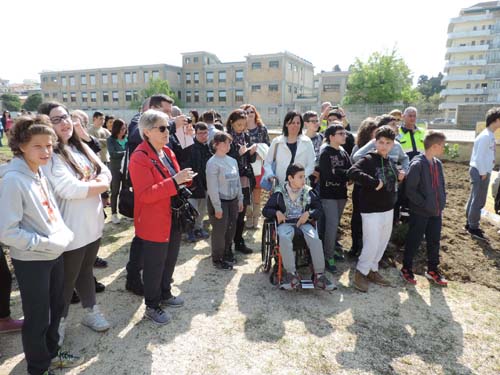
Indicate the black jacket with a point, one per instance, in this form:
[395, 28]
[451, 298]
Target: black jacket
[200, 153]
[244, 160]
[426, 198]
[183, 155]
[333, 167]
[276, 202]
[368, 172]
[93, 144]
[134, 137]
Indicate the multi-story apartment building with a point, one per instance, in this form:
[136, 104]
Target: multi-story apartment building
[473, 57]
[274, 83]
[105, 88]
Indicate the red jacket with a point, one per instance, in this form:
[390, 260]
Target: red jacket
[152, 193]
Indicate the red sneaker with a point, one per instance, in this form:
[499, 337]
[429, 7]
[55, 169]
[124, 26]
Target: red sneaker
[435, 277]
[10, 325]
[408, 276]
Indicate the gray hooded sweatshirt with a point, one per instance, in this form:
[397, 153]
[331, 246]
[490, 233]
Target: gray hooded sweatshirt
[30, 222]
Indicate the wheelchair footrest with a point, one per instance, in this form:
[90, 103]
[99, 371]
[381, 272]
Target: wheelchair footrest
[307, 284]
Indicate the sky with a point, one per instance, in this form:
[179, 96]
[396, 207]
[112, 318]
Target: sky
[56, 35]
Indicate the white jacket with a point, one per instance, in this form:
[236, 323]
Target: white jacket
[30, 223]
[305, 155]
[83, 215]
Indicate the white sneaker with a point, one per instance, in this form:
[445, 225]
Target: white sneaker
[61, 330]
[115, 219]
[95, 320]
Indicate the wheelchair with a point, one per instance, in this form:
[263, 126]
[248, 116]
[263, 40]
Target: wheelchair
[271, 257]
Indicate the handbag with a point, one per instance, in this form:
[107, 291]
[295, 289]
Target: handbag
[183, 211]
[126, 195]
[265, 182]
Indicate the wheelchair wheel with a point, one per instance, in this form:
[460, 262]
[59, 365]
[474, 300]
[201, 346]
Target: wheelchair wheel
[267, 245]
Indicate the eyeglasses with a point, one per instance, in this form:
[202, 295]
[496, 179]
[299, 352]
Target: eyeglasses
[249, 112]
[314, 121]
[341, 133]
[162, 128]
[57, 120]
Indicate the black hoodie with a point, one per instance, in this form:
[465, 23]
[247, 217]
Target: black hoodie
[368, 172]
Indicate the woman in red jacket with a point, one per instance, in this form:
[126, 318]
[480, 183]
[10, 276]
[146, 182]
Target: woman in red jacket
[155, 178]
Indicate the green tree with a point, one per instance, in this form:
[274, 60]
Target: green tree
[383, 78]
[11, 102]
[430, 86]
[32, 102]
[155, 86]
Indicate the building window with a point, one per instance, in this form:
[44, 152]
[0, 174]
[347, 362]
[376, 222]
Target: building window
[481, 42]
[222, 95]
[188, 96]
[156, 74]
[484, 85]
[179, 95]
[196, 77]
[65, 97]
[179, 78]
[294, 68]
[289, 66]
[238, 95]
[128, 96]
[274, 64]
[476, 99]
[105, 96]
[196, 96]
[290, 89]
[481, 99]
[222, 76]
[93, 97]
[210, 77]
[255, 88]
[273, 87]
[44, 79]
[115, 96]
[146, 77]
[315, 84]
[135, 95]
[128, 77]
[332, 87]
[114, 78]
[188, 78]
[63, 81]
[46, 95]
[83, 79]
[467, 86]
[473, 43]
[54, 95]
[474, 28]
[195, 60]
[477, 85]
[295, 90]
[71, 80]
[480, 71]
[53, 78]
[469, 72]
[210, 96]
[73, 97]
[467, 100]
[104, 79]
[239, 75]
[187, 60]
[134, 77]
[256, 65]
[471, 57]
[92, 79]
[84, 97]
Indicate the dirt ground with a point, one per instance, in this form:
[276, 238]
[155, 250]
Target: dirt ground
[237, 322]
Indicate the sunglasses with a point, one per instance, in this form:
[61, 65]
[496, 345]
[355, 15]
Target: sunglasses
[59, 119]
[162, 128]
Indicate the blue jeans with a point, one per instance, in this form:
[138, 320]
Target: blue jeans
[477, 198]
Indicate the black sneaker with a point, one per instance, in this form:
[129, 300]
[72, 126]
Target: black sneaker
[223, 265]
[135, 287]
[75, 298]
[99, 287]
[100, 263]
[466, 227]
[242, 248]
[477, 234]
[229, 257]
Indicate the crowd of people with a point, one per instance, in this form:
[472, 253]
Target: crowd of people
[65, 171]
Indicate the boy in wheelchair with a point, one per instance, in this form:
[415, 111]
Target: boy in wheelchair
[295, 206]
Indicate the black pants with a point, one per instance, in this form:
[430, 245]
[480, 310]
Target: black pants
[356, 223]
[240, 226]
[5, 286]
[116, 182]
[420, 225]
[41, 287]
[135, 261]
[222, 229]
[159, 264]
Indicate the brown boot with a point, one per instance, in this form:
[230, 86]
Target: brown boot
[360, 282]
[249, 217]
[377, 278]
[256, 215]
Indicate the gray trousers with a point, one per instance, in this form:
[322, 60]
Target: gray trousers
[477, 198]
[286, 232]
[223, 230]
[79, 275]
[332, 209]
[201, 205]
